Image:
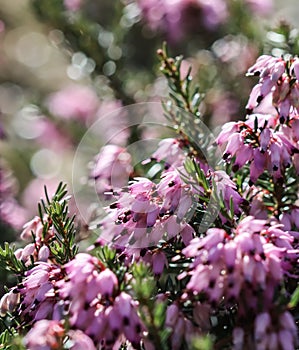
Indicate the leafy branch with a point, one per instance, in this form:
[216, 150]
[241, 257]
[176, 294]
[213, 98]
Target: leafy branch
[181, 92]
[152, 312]
[62, 246]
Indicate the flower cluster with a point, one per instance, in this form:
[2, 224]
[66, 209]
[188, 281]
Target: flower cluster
[248, 266]
[279, 78]
[258, 142]
[49, 335]
[85, 290]
[199, 243]
[95, 303]
[146, 213]
[269, 332]
[178, 17]
[168, 16]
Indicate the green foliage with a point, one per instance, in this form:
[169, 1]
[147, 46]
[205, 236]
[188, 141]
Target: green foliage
[152, 311]
[182, 93]
[294, 299]
[9, 261]
[11, 340]
[63, 247]
[111, 260]
[202, 343]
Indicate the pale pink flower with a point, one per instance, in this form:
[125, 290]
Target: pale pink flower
[80, 340]
[73, 5]
[260, 7]
[96, 305]
[259, 143]
[37, 300]
[45, 335]
[112, 168]
[275, 79]
[145, 213]
[9, 302]
[74, 102]
[254, 257]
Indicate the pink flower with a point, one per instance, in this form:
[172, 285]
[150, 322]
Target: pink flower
[170, 151]
[182, 329]
[250, 259]
[275, 79]
[107, 283]
[146, 213]
[45, 335]
[258, 143]
[74, 102]
[80, 340]
[9, 302]
[260, 7]
[73, 5]
[37, 300]
[112, 168]
[168, 16]
[96, 305]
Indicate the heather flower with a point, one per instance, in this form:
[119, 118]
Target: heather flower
[257, 143]
[37, 297]
[146, 213]
[272, 331]
[37, 251]
[258, 209]
[170, 151]
[45, 335]
[96, 305]
[74, 102]
[33, 227]
[112, 168]
[252, 258]
[9, 302]
[279, 78]
[182, 329]
[168, 16]
[79, 340]
[227, 189]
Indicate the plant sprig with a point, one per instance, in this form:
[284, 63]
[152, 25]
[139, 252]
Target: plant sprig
[62, 247]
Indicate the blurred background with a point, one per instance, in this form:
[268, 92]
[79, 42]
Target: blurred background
[66, 63]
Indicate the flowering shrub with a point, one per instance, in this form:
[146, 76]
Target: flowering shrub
[190, 244]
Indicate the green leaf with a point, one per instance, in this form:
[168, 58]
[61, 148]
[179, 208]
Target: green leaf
[294, 299]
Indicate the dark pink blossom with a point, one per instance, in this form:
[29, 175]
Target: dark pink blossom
[272, 331]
